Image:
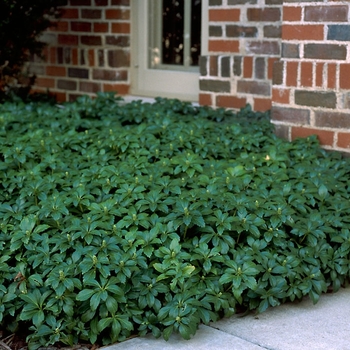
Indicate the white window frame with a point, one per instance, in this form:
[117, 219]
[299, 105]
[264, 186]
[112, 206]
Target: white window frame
[160, 82]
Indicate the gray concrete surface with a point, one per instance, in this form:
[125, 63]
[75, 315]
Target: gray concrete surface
[292, 326]
[205, 338]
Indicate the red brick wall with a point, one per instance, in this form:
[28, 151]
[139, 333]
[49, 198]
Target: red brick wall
[244, 43]
[311, 82]
[89, 50]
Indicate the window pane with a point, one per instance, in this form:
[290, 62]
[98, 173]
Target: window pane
[172, 34]
[196, 23]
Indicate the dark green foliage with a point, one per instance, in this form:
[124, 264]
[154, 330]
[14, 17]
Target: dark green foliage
[21, 24]
[119, 219]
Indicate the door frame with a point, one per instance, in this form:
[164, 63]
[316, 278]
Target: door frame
[155, 82]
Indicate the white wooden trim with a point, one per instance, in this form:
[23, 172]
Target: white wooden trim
[153, 82]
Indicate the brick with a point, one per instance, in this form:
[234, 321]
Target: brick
[280, 95]
[343, 140]
[101, 2]
[53, 57]
[118, 58]
[332, 75]
[302, 32]
[59, 95]
[205, 100]
[66, 39]
[60, 26]
[290, 115]
[74, 56]
[91, 40]
[224, 46]
[237, 66]
[224, 15]
[70, 13]
[326, 13]
[101, 27]
[292, 73]
[277, 78]
[263, 47]
[230, 101]
[121, 2]
[268, 14]
[292, 13]
[260, 68]
[344, 81]
[118, 40]
[215, 2]
[247, 67]
[89, 87]
[213, 66]
[254, 87]
[123, 28]
[325, 137]
[290, 50]
[325, 51]
[272, 32]
[338, 32]
[282, 131]
[121, 89]
[66, 84]
[91, 14]
[110, 75]
[215, 31]
[234, 31]
[319, 74]
[315, 98]
[270, 64]
[203, 70]
[91, 57]
[61, 54]
[214, 85]
[81, 73]
[117, 14]
[225, 67]
[332, 119]
[262, 104]
[100, 58]
[56, 71]
[67, 55]
[306, 74]
[45, 82]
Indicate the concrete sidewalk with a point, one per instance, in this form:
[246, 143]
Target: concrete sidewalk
[292, 326]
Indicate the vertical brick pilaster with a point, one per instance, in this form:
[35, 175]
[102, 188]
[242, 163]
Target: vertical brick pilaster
[247, 35]
[315, 75]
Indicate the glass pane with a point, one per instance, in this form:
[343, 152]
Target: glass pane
[172, 32]
[196, 23]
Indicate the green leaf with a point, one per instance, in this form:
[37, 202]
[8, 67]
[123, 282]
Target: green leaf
[95, 301]
[116, 329]
[323, 191]
[85, 294]
[104, 323]
[167, 332]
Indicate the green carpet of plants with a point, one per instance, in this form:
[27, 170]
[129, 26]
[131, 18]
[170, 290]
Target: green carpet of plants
[119, 219]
